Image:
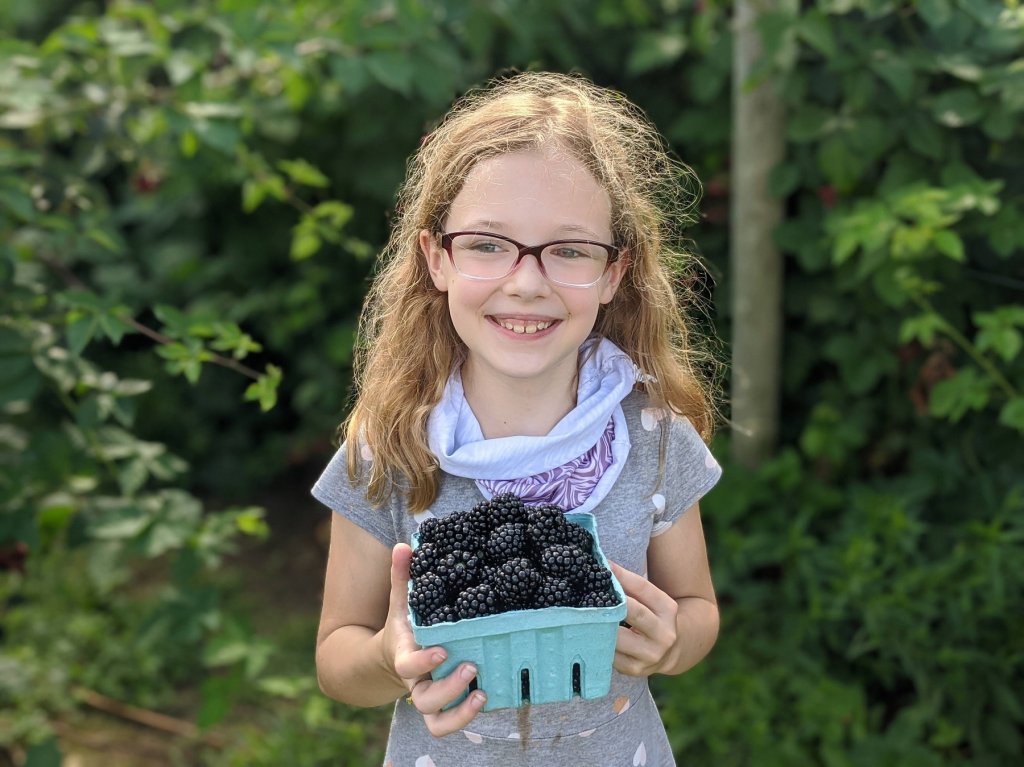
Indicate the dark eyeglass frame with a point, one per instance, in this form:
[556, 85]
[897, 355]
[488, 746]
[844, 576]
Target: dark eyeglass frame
[529, 250]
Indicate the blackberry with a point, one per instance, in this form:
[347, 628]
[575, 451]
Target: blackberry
[596, 579]
[428, 530]
[505, 508]
[555, 592]
[595, 599]
[443, 614]
[459, 569]
[577, 535]
[427, 595]
[547, 526]
[424, 559]
[507, 541]
[474, 601]
[563, 561]
[517, 581]
[457, 532]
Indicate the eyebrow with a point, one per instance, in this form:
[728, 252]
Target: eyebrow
[497, 227]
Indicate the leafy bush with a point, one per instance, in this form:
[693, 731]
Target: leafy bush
[190, 198]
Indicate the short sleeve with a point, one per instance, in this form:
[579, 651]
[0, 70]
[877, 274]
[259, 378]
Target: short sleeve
[338, 493]
[690, 472]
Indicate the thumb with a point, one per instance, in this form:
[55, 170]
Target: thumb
[401, 555]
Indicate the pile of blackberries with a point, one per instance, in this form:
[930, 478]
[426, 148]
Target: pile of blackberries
[503, 555]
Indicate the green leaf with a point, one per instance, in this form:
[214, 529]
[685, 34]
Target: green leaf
[218, 695]
[841, 166]
[44, 754]
[252, 521]
[949, 244]
[896, 72]
[958, 107]
[253, 193]
[998, 332]
[954, 397]
[922, 328]
[302, 172]
[935, 13]
[81, 332]
[264, 390]
[305, 243]
[784, 180]
[1012, 414]
[815, 29]
[113, 326]
[654, 50]
[392, 69]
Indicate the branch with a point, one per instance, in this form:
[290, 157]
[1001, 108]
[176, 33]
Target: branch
[62, 271]
[148, 718]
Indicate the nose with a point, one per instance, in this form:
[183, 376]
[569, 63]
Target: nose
[527, 280]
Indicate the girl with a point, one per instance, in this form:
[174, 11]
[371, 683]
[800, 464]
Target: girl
[524, 335]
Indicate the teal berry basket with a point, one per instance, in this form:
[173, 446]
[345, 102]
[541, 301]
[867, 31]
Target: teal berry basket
[533, 656]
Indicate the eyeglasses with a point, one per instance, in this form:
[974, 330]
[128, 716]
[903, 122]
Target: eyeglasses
[488, 256]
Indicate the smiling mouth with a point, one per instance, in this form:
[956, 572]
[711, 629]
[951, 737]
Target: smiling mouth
[527, 327]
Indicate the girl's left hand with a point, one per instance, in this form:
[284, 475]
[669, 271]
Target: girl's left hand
[645, 647]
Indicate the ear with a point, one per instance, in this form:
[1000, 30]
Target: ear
[613, 277]
[435, 256]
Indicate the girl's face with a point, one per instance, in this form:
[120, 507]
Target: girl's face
[522, 328]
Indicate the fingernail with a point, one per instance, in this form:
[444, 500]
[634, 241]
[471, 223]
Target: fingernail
[438, 657]
[478, 700]
[468, 672]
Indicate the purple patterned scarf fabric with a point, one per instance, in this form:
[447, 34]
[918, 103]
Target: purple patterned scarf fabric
[568, 485]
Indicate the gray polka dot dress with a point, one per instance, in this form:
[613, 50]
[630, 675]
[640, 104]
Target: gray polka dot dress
[621, 728]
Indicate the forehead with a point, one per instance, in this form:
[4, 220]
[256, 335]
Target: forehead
[532, 193]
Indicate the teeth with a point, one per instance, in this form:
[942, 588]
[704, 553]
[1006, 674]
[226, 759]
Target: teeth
[524, 327]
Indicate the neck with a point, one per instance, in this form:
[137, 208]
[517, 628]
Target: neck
[506, 408]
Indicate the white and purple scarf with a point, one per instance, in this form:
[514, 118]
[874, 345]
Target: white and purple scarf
[574, 465]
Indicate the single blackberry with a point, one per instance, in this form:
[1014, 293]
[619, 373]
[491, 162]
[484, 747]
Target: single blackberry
[563, 561]
[506, 508]
[443, 614]
[595, 579]
[428, 530]
[474, 601]
[507, 541]
[427, 595]
[517, 581]
[457, 532]
[547, 526]
[459, 569]
[577, 535]
[555, 592]
[598, 599]
[424, 559]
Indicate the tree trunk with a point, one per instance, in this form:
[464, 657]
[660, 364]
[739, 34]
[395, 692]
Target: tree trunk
[758, 144]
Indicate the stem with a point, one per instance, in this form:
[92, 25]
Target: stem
[962, 341]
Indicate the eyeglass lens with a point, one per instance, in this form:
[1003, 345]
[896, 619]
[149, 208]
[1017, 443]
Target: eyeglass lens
[487, 257]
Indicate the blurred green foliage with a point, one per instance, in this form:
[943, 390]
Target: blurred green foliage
[191, 195]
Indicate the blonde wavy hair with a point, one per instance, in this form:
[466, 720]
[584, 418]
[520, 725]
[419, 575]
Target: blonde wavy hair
[407, 347]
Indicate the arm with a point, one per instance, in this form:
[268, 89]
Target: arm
[365, 652]
[673, 612]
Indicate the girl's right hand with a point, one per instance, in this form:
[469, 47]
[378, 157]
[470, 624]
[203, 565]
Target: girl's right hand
[413, 664]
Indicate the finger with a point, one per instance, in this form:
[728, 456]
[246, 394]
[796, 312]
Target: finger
[432, 696]
[643, 620]
[630, 644]
[457, 717]
[641, 589]
[630, 666]
[413, 663]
